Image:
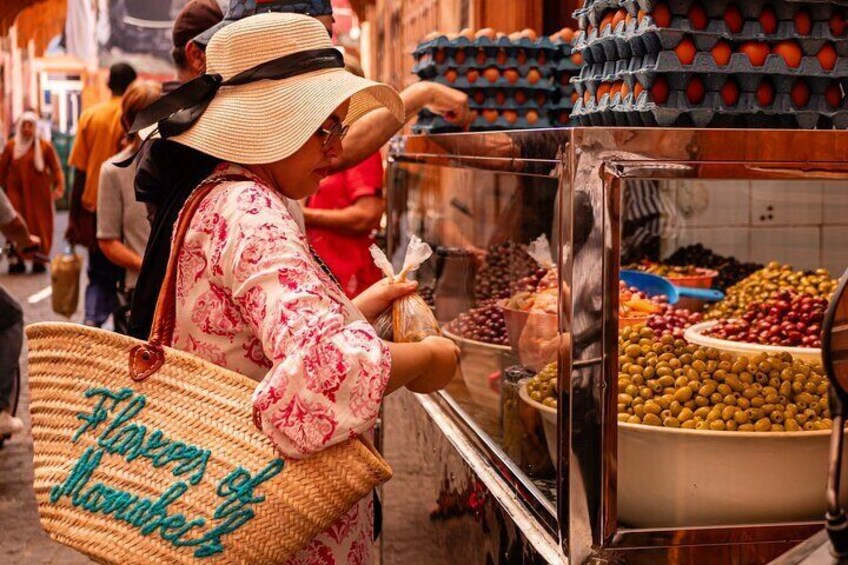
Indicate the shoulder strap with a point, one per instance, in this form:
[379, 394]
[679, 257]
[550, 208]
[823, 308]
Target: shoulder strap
[147, 358]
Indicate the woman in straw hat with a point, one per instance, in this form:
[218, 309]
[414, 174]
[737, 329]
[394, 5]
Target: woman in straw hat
[251, 295]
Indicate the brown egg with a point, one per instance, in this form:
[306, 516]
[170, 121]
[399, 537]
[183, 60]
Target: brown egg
[587, 96]
[501, 57]
[661, 15]
[450, 75]
[472, 75]
[511, 75]
[697, 17]
[541, 58]
[640, 15]
[733, 19]
[628, 18]
[616, 88]
[721, 52]
[606, 23]
[481, 57]
[529, 34]
[490, 116]
[486, 32]
[577, 59]
[492, 74]
[472, 116]
[459, 57]
[564, 79]
[554, 37]
[756, 51]
[541, 99]
[574, 97]
[440, 56]
[467, 33]
[520, 97]
[603, 89]
[563, 118]
[637, 89]
[685, 51]
[800, 94]
[790, 51]
[837, 23]
[520, 57]
[479, 97]
[768, 20]
[567, 34]
[730, 92]
[619, 17]
[511, 116]
[803, 22]
[659, 90]
[624, 89]
[765, 93]
[827, 57]
[695, 90]
[532, 117]
[533, 76]
[515, 36]
[833, 95]
[500, 98]
[432, 35]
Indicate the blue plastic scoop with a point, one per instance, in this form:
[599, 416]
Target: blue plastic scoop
[653, 285]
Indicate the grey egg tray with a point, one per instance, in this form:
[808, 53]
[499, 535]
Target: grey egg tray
[432, 70]
[546, 84]
[429, 123]
[594, 12]
[512, 46]
[491, 103]
[634, 40]
[665, 62]
[611, 110]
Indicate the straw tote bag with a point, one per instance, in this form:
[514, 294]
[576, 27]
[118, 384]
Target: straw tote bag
[147, 454]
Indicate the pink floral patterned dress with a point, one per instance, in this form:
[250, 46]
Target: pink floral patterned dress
[251, 298]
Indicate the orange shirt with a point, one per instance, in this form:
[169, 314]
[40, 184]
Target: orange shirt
[99, 137]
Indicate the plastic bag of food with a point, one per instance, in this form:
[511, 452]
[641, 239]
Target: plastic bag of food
[409, 319]
[65, 272]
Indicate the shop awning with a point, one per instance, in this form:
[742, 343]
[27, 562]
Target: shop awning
[39, 20]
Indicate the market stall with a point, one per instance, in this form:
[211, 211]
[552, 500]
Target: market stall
[598, 415]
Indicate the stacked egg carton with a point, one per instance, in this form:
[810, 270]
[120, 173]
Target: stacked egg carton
[720, 64]
[509, 81]
[567, 68]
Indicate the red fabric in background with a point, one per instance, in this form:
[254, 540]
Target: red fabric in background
[347, 255]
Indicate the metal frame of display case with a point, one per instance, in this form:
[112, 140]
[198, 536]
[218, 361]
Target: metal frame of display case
[592, 165]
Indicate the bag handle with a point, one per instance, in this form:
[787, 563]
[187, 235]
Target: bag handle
[147, 358]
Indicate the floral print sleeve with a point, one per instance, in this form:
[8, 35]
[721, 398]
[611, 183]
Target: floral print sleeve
[326, 368]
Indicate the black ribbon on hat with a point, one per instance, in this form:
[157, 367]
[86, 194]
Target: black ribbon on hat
[177, 112]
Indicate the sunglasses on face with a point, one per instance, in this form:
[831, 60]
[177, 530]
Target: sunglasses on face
[332, 133]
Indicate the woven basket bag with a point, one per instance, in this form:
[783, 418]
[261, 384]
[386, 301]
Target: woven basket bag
[147, 454]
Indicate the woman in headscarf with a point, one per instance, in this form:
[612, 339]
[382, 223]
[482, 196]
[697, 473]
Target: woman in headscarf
[32, 177]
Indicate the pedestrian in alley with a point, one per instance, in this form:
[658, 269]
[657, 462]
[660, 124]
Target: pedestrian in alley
[14, 229]
[251, 294]
[168, 172]
[99, 137]
[122, 225]
[32, 177]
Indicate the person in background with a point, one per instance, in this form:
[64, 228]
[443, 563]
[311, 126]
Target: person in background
[14, 229]
[342, 215]
[168, 172]
[32, 177]
[99, 136]
[122, 225]
[189, 57]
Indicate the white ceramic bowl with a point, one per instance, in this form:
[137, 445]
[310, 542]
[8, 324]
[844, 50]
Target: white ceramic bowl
[481, 364]
[696, 335]
[671, 477]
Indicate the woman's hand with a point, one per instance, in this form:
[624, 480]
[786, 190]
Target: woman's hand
[444, 358]
[377, 298]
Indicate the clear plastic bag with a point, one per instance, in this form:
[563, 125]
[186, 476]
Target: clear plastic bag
[409, 319]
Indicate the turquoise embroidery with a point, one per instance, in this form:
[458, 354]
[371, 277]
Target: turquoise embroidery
[132, 441]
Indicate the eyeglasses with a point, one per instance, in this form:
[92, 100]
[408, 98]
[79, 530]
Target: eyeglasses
[336, 131]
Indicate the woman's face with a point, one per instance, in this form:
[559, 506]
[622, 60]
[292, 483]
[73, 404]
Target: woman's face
[299, 174]
[27, 130]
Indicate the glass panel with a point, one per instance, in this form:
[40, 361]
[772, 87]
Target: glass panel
[481, 282]
[717, 425]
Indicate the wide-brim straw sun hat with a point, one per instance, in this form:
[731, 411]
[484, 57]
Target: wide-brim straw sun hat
[259, 120]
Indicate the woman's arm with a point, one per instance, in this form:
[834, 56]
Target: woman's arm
[362, 217]
[120, 254]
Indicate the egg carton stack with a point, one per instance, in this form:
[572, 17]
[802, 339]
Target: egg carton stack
[509, 80]
[720, 64]
[567, 68]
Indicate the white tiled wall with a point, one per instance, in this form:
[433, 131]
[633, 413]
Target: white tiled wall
[804, 223]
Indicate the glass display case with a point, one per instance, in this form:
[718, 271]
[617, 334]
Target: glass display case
[637, 312]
